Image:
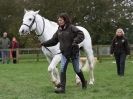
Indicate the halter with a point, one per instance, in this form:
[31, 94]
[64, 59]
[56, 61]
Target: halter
[30, 26]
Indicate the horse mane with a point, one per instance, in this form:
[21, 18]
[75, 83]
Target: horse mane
[53, 23]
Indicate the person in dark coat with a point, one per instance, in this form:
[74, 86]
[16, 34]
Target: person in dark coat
[69, 37]
[120, 48]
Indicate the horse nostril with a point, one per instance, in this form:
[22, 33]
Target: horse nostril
[22, 31]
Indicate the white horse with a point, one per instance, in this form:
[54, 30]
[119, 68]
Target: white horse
[45, 29]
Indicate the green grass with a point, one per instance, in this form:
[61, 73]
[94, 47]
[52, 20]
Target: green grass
[31, 81]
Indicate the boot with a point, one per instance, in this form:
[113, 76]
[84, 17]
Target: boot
[58, 85]
[14, 61]
[84, 82]
[61, 87]
[59, 90]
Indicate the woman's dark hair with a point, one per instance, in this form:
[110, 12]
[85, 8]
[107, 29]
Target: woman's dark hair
[65, 17]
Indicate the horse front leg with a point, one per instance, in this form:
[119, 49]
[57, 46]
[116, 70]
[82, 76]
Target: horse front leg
[54, 73]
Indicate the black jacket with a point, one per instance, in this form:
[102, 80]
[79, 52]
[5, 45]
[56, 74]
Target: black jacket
[120, 45]
[66, 37]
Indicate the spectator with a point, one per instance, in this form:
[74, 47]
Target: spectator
[5, 44]
[14, 46]
[120, 49]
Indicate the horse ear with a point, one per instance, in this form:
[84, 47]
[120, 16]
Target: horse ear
[25, 11]
[36, 12]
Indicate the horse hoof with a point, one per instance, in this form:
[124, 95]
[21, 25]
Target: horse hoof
[91, 83]
[56, 83]
[78, 82]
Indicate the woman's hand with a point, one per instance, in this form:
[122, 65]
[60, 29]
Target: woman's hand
[75, 48]
[111, 55]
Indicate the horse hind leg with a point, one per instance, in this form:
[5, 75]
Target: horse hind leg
[91, 69]
[83, 65]
[88, 66]
[78, 81]
[91, 61]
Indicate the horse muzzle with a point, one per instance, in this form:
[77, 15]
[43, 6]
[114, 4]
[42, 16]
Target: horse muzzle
[23, 32]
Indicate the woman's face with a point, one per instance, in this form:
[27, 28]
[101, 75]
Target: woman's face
[119, 33]
[13, 39]
[61, 21]
[4, 34]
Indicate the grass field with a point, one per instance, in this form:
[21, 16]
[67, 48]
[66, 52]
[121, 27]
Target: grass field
[31, 81]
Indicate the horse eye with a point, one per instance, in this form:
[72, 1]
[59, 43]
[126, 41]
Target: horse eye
[30, 19]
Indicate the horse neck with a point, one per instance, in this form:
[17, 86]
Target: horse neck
[49, 28]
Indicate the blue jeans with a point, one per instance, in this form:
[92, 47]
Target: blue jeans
[75, 62]
[120, 61]
[5, 56]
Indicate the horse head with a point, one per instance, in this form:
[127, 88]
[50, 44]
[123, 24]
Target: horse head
[29, 22]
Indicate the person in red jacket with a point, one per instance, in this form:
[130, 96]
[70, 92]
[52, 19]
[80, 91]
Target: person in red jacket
[14, 46]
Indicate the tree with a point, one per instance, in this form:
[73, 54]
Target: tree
[100, 17]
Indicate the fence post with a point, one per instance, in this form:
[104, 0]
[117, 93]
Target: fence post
[97, 51]
[37, 56]
[98, 54]
[17, 55]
